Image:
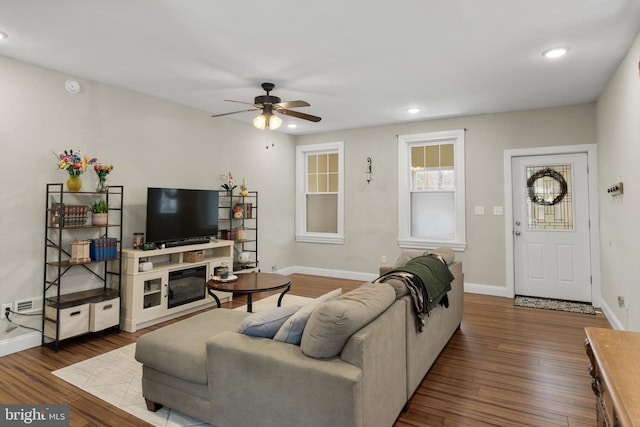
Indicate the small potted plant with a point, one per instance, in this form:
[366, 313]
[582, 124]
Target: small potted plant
[100, 212]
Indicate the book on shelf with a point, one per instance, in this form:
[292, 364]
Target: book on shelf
[103, 249]
[68, 216]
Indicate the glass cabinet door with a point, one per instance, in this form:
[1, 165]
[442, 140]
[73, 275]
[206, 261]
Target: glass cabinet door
[152, 293]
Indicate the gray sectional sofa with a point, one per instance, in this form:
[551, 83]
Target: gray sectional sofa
[359, 361]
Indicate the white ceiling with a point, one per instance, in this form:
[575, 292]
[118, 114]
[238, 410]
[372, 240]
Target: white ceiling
[358, 63]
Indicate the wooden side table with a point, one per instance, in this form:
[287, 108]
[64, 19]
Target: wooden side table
[250, 283]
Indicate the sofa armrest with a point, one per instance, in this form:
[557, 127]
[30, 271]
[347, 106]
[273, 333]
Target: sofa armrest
[250, 377]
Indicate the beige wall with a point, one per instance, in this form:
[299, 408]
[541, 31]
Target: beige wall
[371, 217]
[618, 115]
[150, 142]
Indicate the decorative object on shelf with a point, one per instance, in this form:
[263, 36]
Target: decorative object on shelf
[229, 183]
[75, 164]
[238, 211]
[243, 189]
[100, 212]
[541, 199]
[79, 251]
[193, 256]
[74, 183]
[138, 240]
[241, 234]
[102, 171]
[367, 170]
[145, 265]
[244, 258]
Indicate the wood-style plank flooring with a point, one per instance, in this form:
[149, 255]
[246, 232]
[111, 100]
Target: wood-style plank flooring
[505, 366]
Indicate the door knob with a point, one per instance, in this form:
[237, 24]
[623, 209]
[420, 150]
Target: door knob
[517, 222]
[517, 233]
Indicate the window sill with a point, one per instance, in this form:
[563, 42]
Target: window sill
[333, 239]
[413, 243]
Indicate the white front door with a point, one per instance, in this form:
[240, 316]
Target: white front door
[551, 226]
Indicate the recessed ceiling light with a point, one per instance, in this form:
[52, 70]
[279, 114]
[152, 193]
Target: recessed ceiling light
[413, 110]
[292, 125]
[3, 35]
[555, 52]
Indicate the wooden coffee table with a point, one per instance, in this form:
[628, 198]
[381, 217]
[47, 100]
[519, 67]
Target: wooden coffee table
[251, 283]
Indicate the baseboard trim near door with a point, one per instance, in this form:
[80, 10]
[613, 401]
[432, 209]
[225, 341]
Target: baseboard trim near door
[492, 290]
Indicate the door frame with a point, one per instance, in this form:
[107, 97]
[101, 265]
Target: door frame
[594, 231]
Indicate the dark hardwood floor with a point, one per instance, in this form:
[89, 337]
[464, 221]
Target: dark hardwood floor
[505, 366]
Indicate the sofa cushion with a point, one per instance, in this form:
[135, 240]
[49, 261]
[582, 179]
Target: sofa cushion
[266, 323]
[179, 349]
[291, 331]
[334, 321]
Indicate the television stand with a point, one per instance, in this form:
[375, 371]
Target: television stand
[148, 296]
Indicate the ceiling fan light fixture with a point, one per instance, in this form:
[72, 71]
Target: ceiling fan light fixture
[273, 122]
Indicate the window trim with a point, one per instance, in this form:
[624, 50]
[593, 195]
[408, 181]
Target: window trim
[405, 142]
[301, 191]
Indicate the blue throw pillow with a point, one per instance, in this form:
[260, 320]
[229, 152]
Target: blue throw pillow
[292, 329]
[266, 324]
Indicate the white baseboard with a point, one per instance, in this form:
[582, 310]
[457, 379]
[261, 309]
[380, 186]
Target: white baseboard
[19, 343]
[493, 290]
[613, 320]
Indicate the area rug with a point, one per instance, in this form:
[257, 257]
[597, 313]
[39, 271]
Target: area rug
[115, 377]
[554, 304]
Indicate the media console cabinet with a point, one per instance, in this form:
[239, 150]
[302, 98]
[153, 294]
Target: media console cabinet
[174, 286]
[615, 372]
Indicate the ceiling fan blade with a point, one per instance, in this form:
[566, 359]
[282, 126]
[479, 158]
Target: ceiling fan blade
[292, 104]
[299, 115]
[242, 102]
[235, 112]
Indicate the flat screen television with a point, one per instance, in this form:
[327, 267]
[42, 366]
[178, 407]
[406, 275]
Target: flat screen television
[176, 215]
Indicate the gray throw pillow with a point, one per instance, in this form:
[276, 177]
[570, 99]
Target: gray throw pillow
[334, 321]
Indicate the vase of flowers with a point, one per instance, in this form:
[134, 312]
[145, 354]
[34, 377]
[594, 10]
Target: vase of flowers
[75, 164]
[102, 171]
[229, 183]
[243, 189]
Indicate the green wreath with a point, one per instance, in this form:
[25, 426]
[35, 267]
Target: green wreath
[552, 174]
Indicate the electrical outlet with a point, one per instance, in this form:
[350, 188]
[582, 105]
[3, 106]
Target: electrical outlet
[5, 308]
[621, 302]
[383, 258]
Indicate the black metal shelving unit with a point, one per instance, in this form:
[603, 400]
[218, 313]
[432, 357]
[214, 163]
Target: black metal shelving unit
[62, 226]
[229, 227]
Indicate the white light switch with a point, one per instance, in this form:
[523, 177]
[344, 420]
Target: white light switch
[479, 210]
[498, 210]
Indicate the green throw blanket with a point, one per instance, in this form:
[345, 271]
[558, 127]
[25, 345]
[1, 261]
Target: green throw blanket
[435, 276]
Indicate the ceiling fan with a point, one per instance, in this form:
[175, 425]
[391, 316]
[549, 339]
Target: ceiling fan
[269, 105]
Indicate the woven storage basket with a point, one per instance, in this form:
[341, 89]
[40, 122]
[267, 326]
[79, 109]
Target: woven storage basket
[194, 256]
